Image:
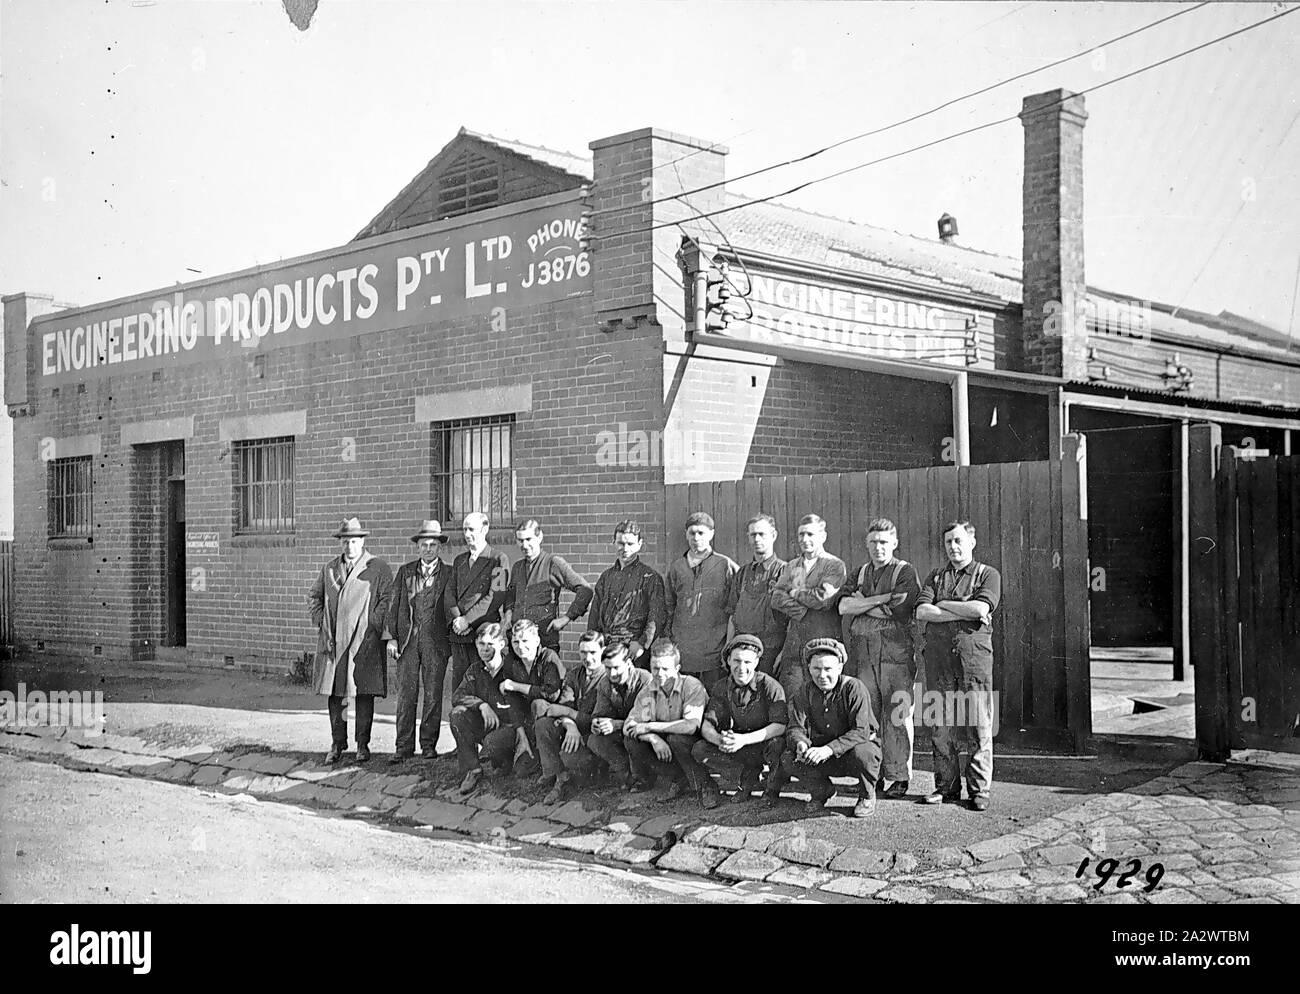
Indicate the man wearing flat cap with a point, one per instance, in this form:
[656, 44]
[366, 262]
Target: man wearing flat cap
[349, 607]
[697, 595]
[832, 732]
[417, 642]
[744, 721]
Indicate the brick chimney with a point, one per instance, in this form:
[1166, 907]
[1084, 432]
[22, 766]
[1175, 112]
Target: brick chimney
[1054, 333]
[636, 275]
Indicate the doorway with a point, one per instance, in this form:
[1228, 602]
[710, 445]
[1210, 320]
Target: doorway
[173, 466]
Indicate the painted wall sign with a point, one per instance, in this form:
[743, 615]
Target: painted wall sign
[202, 543]
[383, 283]
[793, 312]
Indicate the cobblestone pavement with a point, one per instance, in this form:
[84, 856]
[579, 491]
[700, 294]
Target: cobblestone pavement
[1223, 833]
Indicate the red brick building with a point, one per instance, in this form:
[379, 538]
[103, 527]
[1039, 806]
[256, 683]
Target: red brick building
[514, 332]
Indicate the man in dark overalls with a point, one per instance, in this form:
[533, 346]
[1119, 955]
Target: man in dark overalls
[957, 603]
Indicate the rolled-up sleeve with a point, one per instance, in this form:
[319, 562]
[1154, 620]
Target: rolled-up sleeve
[989, 589]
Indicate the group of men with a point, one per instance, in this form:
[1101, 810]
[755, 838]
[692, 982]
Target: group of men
[799, 668]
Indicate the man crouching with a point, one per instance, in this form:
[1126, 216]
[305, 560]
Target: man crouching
[832, 732]
[487, 722]
[744, 723]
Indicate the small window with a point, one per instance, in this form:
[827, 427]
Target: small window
[263, 477]
[472, 462]
[470, 183]
[70, 487]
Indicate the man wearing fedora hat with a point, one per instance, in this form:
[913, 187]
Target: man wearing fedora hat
[417, 641]
[349, 607]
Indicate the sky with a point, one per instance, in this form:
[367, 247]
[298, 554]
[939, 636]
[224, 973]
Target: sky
[144, 144]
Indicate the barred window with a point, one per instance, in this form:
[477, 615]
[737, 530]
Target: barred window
[70, 489]
[470, 183]
[472, 460]
[263, 477]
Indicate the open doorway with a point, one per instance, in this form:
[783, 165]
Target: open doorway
[1139, 685]
[174, 585]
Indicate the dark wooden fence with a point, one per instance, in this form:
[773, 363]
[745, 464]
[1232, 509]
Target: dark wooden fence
[1259, 562]
[1029, 526]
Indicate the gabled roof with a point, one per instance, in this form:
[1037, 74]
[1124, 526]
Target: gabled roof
[525, 171]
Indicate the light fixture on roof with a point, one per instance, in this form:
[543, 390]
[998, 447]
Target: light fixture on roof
[1178, 376]
[947, 228]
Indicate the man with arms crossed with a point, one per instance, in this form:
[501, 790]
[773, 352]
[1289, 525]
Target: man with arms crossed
[957, 603]
[809, 593]
[880, 598]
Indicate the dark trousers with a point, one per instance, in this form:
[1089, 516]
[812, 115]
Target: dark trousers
[339, 720]
[550, 735]
[743, 766]
[646, 765]
[423, 664]
[475, 745]
[961, 673]
[862, 762]
[463, 656]
[612, 749]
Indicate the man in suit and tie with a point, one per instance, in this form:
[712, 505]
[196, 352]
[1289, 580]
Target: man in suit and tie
[417, 642]
[349, 607]
[475, 591]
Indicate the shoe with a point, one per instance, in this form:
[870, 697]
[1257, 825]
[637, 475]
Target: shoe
[471, 782]
[939, 797]
[363, 754]
[556, 794]
[979, 802]
[333, 757]
[745, 791]
[865, 807]
[818, 801]
[527, 766]
[895, 792]
[771, 796]
[400, 757]
[709, 798]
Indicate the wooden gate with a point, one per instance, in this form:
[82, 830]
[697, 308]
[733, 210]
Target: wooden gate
[1259, 564]
[1030, 526]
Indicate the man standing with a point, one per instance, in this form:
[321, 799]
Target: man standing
[417, 642]
[744, 723]
[535, 672]
[616, 693]
[561, 726]
[628, 605]
[535, 584]
[832, 733]
[881, 598]
[957, 603]
[751, 594]
[664, 725]
[486, 720]
[808, 592]
[349, 606]
[474, 592]
[697, 593]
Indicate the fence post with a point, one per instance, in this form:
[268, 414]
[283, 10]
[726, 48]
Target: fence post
[1205, 581]
[1073, 467]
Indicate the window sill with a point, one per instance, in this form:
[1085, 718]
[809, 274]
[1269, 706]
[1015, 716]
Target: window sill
[69, 542]
[286, 541]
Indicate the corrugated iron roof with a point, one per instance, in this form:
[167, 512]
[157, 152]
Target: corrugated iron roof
[567, 162]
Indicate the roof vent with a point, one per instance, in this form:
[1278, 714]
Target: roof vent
[947, 229]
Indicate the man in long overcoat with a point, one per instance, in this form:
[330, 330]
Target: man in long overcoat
[349, 606]
[417, 641]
